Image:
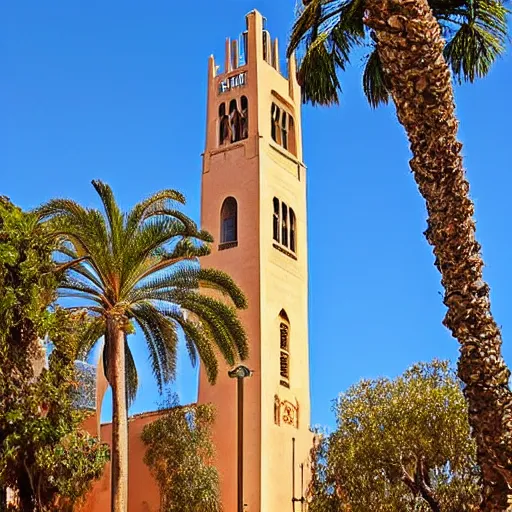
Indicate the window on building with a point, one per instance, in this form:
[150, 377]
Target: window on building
[292, 145]
[235, 120]
[224, 126]
[293, 231]
[284, 224]
[228, 221]
[275, 115]
[283, 128]
[275, 220]
[284, 349]
[244, 104]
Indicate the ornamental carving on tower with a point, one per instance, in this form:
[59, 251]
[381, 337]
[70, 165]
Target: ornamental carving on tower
[286, 412]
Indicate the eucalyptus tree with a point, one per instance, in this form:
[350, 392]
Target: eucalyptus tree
[141, 269]
[414, 44]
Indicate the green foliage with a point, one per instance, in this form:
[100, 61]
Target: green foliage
[327, 31]
[398, 442]
[179, 454]
[44, 456]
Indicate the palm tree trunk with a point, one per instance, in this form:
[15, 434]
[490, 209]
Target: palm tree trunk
[119, 497]
[410, 46]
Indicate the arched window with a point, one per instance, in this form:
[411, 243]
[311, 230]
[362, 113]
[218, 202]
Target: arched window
[293, 231]
[228, 221]
[245, 117]
[275, 128]
[224, 126]
[284, 130]
[284, 225]
[292, 146]
[284, 349]
[235, 119]
[275, 220]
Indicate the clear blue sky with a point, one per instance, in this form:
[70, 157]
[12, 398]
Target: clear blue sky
[116, 90]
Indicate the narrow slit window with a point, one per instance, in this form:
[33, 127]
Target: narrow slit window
[244, 104]
[275, 115]
[284, 225]
[293, 231]
[284, 131]
[275, 220]
[229, 221]
[292, 145]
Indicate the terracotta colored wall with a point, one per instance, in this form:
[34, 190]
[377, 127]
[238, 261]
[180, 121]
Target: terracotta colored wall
[143, 494]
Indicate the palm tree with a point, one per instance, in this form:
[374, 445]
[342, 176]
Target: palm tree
[142, 268]
[413, 45]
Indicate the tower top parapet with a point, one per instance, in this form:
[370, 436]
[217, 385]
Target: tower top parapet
[255, 43]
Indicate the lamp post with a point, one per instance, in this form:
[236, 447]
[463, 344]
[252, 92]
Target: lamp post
[240, 373]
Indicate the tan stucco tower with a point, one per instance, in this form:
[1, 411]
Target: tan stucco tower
[254, 203]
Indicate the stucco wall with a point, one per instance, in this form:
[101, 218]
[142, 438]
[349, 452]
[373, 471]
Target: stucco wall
[143, 494]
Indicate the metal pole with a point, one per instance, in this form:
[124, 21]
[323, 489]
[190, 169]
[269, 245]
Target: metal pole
[293, 473]
[302, 487]
[240, 449]
[239, 373]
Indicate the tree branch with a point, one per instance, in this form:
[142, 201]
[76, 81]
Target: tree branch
[408, 480]
[426, 491]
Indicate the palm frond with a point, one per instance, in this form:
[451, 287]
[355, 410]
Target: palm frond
[220, 281]
[84, 271]
[114, 216]
[221, 320]
[197, 342]
[479, 40]
[374, 81]
[93, 331]
[131, 375]
[317, 74]
[326, 31]
[162, 340]
[140, 211]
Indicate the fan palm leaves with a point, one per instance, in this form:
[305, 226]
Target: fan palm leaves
[141, 270]
[415, 50]
[328, 31]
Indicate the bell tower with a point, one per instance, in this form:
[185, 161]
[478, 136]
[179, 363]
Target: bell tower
[254, 204]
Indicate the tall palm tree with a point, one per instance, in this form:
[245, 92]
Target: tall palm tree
[413, 46]
[142, 268]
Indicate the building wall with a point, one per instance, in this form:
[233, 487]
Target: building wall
[254, 171]
[143, 493]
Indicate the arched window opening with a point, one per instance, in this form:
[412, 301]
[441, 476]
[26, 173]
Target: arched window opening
[284, 130]
[293, 229]
[292, 146]
[224, 126]
[284, 225]
[235, 119]
[266, 45]
[284, 349]
[275, 220]
[275, 115]
[228, 221]
[244, 117]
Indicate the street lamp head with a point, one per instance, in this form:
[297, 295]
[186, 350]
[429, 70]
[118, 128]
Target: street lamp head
[240, 372]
